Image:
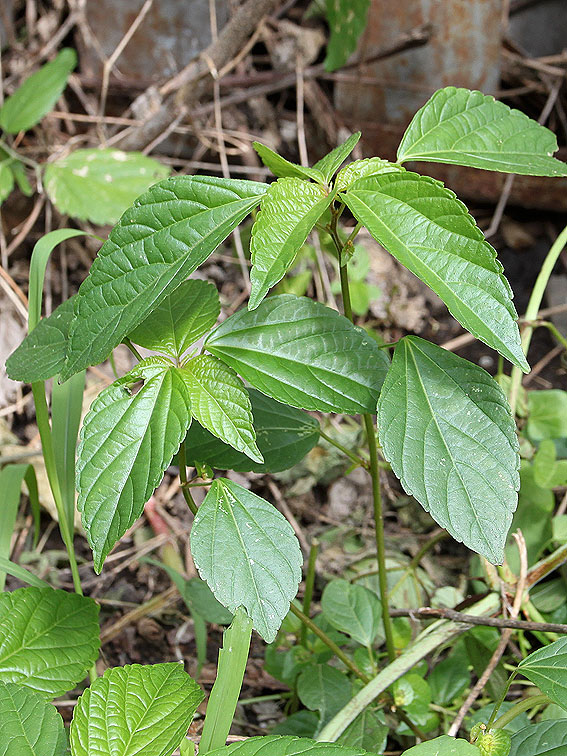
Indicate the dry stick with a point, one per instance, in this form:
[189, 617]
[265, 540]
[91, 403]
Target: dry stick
[109, 63]
[428, 612]
[540, 364]
[158, 602]
[497, 655]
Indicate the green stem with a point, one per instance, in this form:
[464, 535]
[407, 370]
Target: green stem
[329, 643]
[552, 329]
[374, 465]
[309, 583]
[182, 462]
[42, 416]
[351, 455]
[501, 699]
[524, 705]
[230, 674]
[133, 349]
[427, 546]
[533, 308]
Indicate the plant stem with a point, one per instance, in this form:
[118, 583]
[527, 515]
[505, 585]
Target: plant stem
[329, 643]
[182, 462]
[351, 455]
[524, 705]
[379, 531]
[230, 673]
[427, 546]
[501, 699]
[42, 417]
[532, 310]
[374, 465]
[133, 349]
[309, 583]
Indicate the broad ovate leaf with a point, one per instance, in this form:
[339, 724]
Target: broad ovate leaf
[285, 745]
[41, 355]
[347, 21]
[361, 168]
[282, 168]
[128, 440]
[248, 554]
[303, 353]
[288, 212]
[180, 320]
[329, 164]
[547, 668]
[444, 746]
[547, 738]
[48, 639]
[353, 610]
[445, 427]
[424, 226]
[100, 184]
[325, 689]
[29, 726]
[284, 436]
[221, 404]
[38, 94]
[134, 710]
[168, 232]
[465, 127]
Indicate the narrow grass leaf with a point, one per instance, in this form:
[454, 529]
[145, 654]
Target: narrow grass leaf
[11, 479]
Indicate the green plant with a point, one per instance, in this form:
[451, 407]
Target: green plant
[88, 184]
[444, 426]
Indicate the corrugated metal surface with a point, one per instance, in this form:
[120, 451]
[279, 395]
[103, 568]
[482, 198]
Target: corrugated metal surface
[464, 50]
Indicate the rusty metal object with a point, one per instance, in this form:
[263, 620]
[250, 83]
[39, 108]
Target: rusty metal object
[463, 50]
[171, 35]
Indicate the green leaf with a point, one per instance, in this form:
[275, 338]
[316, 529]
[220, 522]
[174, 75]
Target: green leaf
[284, 436]
[544, 739]
[25, 576]
[128, 440]
[367, 731]
[361, 168]
[11, 479]
[424, 226]
[324, 689]
[444, 746]
[286, 745]
[445, 427]
[6, 179]
[157, 244]
[352, 609]
[304, 354]
[547, 668]
[465, 127]
[450, 678]
[547, 414]
[135, 710]
[38, 94]
[248, 554]
[288, 212]
[329, 164]
[180, 320]
[282, 168]
[48, 639]
[548, 472]
[100, 184]
[221, 404]
[41, 355]
[347, 21]
[29, 726]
